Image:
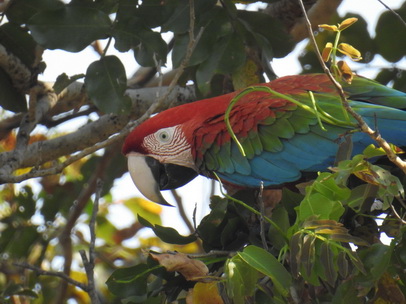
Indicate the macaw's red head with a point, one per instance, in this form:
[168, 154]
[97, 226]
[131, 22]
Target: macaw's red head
[159, 153]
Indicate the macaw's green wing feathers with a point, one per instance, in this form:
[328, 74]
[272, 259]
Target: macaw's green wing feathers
[282, 140]
[364, 89]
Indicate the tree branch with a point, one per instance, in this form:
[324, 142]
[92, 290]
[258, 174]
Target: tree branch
[58, 274]
[89, 138]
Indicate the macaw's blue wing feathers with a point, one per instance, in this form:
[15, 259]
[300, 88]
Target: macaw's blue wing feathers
[290, 141]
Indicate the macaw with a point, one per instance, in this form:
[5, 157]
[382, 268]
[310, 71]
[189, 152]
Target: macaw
[281, 139]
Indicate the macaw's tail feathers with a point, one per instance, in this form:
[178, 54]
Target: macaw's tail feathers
[390, 122]
[367, 90]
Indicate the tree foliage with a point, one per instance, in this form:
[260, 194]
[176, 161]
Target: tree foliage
[318, 242]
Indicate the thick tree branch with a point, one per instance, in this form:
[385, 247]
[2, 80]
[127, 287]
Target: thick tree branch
[87, 139]
[19, 73]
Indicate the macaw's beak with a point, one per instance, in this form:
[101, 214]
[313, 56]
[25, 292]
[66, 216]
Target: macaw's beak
[150, 176]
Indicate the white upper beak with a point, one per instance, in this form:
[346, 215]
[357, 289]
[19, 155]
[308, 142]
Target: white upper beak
[143, 178]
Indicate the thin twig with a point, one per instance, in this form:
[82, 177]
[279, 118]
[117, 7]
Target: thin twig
[212, 253]
[89, 263]
[262, 216]
[361, 123]
[76, 210]
[397, 215]
[182, 212]
[393, 12]
[58, 274]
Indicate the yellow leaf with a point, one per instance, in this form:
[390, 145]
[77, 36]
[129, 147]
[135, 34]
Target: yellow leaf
[367, 175]
[347, 23]
[350, 51]
[327, 51]
[204, 293]
[327, 27]
[149, 206]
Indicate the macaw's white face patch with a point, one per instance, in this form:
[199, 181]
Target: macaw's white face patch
[169, 145]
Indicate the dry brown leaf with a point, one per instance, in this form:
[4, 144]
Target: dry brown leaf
[192, 270]
[388, 291]
[345, 71]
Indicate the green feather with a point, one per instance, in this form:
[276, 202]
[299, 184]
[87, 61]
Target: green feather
[269, 140]
[224, 158]
[283, 128]
[256, 142]
[248, 148]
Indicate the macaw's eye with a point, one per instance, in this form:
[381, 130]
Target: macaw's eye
[164, 136]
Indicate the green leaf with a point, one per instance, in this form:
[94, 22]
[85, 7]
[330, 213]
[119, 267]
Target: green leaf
[217, 26]
[20, 11]
[71, 28]
[228, 57]
[211, 225]
[168, 234]
[361, 194]
[131, 281]
[323, 199]
[347, 292]
[321, 206]
[23, 239]
[308, 255]
[296, 242]
[268, 32]
[63, 81]
[241, 279]
[388, 30]
[267, 264]
[149, 47]
[18, 42]
[376, 259]
[179, 17]
[26, 203]
[10, 98]
[281, 218]
[328, 187]
[152, 49]
[329, 265]
[106, 83]
[151, 13]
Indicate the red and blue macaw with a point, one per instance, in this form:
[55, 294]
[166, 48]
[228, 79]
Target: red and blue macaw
[281, 140]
